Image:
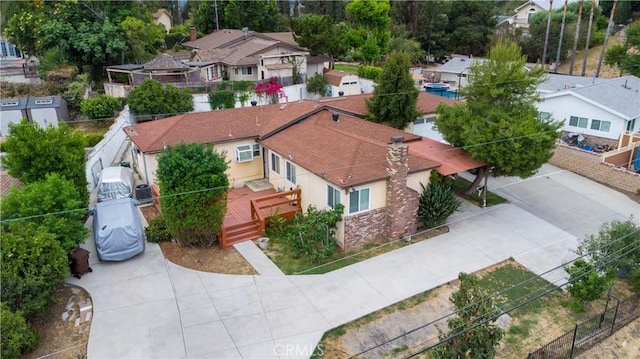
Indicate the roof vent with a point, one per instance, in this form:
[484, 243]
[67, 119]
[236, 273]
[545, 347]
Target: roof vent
[397, 139]
[336, 117]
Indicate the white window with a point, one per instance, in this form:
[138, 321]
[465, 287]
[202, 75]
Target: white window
[256, 150]
[544, 115]
[576, 121]
[244, 153]
[359, 200]
[291, 172]
[44, 102]
[9, 103]
[244, 71]
[598, 125]
[333, 196]
[209, 73]
[275, 163]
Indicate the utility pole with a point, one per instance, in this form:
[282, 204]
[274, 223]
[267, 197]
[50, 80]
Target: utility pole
[215, 9]
[606, 37]
[575, 39]
[546, 36]
[564, 16]
[586, 46]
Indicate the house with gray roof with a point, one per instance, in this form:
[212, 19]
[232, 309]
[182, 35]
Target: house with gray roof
[45, 111]
[603, 109]
[523, 13]
[456, 70]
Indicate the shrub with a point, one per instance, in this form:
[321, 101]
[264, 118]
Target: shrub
[587, 283]
[74, 94]
[33, 266]
[316, 84]
[157, 231]
[151, 98]
[93, 139]
[438, 201]
[17, 336]
[101, 106]
[222, 99]
[369, 72]
[313, 234]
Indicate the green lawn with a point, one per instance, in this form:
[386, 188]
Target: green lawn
[347, 68]
[460, 185]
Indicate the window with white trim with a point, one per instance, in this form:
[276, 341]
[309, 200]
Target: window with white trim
[44, 102]
[256, 150]
[576, 121]
[333, 196]
[275, 163]
[243, 71]
[599, 125]
[359, 200]
[244, 153]
[291, 172]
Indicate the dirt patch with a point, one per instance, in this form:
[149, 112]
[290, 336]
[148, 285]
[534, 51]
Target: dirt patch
[622, 344]
[64, 331]
[214, 259]
[593, 58]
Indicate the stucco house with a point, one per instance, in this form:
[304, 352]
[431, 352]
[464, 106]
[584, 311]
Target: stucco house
[249, 55]
[601, 109]
[522, 14]
[45, 111]
[163, 17]
[456, 71]
[327, 154]
[341, 83]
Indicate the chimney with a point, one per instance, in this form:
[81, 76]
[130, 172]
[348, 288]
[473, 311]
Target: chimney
[336, 117]
[401, 200]
[192, 33]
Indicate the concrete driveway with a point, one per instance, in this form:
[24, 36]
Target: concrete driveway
[149, 308]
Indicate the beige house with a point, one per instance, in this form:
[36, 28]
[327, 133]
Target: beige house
[163, 17]
[523, 13]
[321, 154]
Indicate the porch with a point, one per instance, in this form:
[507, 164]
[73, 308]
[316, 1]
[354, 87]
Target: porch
[248, 212]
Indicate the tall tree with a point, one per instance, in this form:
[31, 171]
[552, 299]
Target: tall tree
[434, 35]
[472, 332]
[204, 16]
[471, 24]
[33, 152]
[334, 9]
[371, 32]
[257, 15]
[193, 188]
[320, 35]
[142, 37]
[499, 123]
[395, 97]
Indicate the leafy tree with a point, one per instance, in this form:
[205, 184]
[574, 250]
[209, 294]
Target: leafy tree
[74, 94]
[52, 204]
[222, 99]
[151, 98]
[52, 59]
[411, 47]
[320, 35]
[143, 38]
[587, 282]
[471, 24]
[615, 247]
[626, 56]
[538, 28]
[314, 234]
[369, 72]
[33, 266]
[101, 106]
[434, 31]
[473, 306]
[257, 15]
[499, 123]
[394, 99]
[204, 18]
[437, 202]
[315, 84]
[616, 56]
[193, 184]
[336, 10]
[17, 336]
[22, 29]
[370, 33]
[33, 152]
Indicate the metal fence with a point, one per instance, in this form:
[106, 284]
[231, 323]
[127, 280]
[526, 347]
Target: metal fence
[584, 335]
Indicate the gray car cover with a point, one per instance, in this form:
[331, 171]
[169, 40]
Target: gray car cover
[114, 183]
[117, 229]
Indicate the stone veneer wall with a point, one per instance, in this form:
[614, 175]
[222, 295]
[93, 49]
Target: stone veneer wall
[364, 228]
[589, 164]
[398, 196]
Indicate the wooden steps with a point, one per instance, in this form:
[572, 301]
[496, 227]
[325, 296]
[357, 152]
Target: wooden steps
[240, 232]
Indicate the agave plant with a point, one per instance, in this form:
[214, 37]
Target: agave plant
[438, 201]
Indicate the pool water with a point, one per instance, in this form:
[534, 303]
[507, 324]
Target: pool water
[447, 93]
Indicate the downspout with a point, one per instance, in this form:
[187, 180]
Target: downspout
[146, 171]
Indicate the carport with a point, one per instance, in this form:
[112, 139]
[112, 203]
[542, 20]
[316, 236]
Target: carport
[452, 159]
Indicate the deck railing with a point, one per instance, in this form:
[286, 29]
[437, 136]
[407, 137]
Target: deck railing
[286, 204]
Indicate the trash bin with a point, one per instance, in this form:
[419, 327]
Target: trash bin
[79, 262]
[143, 193]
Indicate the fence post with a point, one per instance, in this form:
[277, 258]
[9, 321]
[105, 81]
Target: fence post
[615, 315]
[573, 341]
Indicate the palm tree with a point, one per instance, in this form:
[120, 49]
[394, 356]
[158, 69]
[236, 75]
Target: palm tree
[575, 39]
[564, 16]
[586, 46]
[546, 36]
[606, 36]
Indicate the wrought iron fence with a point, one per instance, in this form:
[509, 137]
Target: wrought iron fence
[584, 335]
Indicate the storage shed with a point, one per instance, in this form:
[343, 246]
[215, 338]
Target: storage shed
[45, 111]
[12, 110]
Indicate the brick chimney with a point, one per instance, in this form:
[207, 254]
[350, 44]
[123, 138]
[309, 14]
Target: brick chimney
[401, 200]
[192, 33]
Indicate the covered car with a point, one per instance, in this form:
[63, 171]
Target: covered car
[114, 183]
[117, 229]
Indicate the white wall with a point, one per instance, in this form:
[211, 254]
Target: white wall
[44, 117]
[562, 107]
[8, 117]
[108, 149]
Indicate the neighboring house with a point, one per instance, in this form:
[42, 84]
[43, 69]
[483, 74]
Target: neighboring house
[456, 71]
[341, 83]
[603, 110]
[7, 183]
[45, 111]
[163, 17]
[249, 55]
[522, 14]
[325, 151]
[8, 50]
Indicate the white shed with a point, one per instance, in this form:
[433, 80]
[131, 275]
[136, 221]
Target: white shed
[342, 82]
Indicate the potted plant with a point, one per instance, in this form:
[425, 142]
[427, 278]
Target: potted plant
[263, 242]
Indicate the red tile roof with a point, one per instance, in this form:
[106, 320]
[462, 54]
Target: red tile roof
[355, 104]
[215, 126]
[453, 159]
[349, 152]
[334, 77]
[7, 182]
